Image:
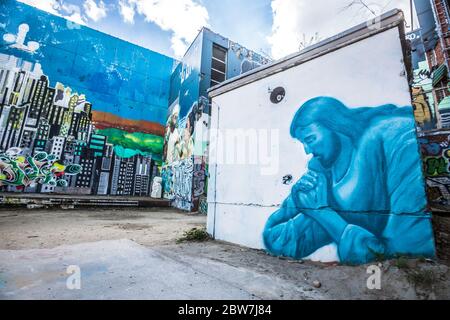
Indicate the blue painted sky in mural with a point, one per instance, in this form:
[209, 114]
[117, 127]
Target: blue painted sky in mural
[116, 76]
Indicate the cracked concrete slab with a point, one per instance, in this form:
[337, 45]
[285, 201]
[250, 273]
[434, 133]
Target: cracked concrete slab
[123, 269]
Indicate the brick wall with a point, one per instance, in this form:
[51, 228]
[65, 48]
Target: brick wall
[438, 56]
[443, 21]
[441, 14]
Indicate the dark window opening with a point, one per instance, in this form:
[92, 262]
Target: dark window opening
[218, 65]
[217, 76]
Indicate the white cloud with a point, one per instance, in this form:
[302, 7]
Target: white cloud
[126, 11]
[184, 18]
[95, 11]
[73, 13]
[59, 8]
[293, 19]
[51, 6]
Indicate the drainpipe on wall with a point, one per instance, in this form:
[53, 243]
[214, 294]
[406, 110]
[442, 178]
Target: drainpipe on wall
[215, 170]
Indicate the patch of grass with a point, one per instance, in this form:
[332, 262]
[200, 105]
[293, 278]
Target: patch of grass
[379, 256]
[194, 235]
[402, 263]
[422, 278]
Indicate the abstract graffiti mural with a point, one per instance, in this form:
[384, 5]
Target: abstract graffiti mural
[182, 184]
[178, 183]
[24, 171]
[184, 181]
[89, 101]
[363, 191]
[199, 179]
[435, 147]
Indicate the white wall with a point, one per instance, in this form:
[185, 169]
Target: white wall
[367, 73]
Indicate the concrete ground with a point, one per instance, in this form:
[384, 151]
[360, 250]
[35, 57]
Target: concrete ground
[133, 254]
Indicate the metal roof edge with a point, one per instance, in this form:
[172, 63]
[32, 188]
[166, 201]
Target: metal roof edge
[386, 21]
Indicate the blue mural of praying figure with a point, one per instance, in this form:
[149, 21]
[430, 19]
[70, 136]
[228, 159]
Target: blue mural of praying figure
[364, 190]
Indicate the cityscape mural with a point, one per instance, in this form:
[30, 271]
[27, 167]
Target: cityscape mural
[80, 111]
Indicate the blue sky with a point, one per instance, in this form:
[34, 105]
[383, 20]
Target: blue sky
[274, 27]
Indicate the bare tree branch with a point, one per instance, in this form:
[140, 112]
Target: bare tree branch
[309, 41]
[361, 4]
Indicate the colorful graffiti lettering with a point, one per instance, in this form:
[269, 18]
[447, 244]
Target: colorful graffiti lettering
[182, 184]
[435, 148]
[199, 180]
[43, 169]
[436, 166]
[383, 214]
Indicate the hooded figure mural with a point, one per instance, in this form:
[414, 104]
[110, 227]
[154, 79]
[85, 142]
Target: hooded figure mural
[364, 190]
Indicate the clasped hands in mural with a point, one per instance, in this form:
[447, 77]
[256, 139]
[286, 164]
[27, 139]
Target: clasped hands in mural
[311, 190]
[311, 196]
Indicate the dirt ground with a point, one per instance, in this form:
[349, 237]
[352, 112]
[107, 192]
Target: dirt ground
[45, 229]
[253, 271]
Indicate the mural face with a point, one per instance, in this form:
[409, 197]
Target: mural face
[367, 199]
[183, 139]
[87, 100]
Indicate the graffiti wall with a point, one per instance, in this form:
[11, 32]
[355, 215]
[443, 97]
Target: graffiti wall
[185, 181]
[334, 170]
[30, 172]
[425, 110]
[431, 110]
[80, 111]
[435, 149]
[210, 59]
